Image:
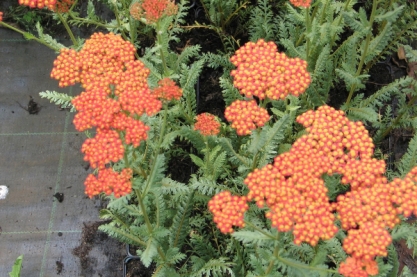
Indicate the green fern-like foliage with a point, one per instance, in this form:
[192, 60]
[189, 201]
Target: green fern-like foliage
[61, 99]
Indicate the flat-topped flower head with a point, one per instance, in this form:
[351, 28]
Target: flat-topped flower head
[207, 124]
[264, 72]
[301, 3]
[167, 90]
[353, 267]
[246, 116]
[153, 10]
[104, 148]
[109, 181]
[40, 4]
[228, 211]
[63, 6]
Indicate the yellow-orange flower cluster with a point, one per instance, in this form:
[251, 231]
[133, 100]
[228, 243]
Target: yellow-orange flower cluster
[246, 116]
[357, 268]
[109, 181]
[301, 3]
[207, 124]
[168, 90]
[63, 6]
[294, 191]
[104, 148]
[40, 4]
[228, 211]
[153, 10]
[116, 94]
[264, 72]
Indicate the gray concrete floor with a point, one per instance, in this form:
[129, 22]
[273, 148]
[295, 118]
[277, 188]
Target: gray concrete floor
[39, 156]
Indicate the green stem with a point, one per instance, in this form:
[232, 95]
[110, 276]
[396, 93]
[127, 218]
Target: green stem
[27, 35]
[365, 50]
[389, 129]
[259, 230]
[271, 263]
[161, 51]
[130, 236]
[308, 30]
[158, 147]
[338, 22]
[70, 33]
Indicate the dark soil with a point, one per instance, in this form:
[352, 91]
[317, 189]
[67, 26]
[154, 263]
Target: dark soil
[32, 107]
[108, 248]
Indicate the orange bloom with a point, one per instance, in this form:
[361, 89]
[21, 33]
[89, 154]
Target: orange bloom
[109, 181]
[167, 90]
[1, 16]
[301, 3]
[104, 148]
[353, 267]
[228, 211]
[246, 116]
[153, 10]
[264, 72]
[63, 6]
[207, 124]
[40, 4]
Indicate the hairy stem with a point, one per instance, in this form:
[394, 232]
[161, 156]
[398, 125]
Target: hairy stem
[70, 33]
[365, 50]
[27, 35]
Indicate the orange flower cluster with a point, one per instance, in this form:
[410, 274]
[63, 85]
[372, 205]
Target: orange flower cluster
[228, 211]
[404, 193]
[301, 3]
[104, 148]
[167, 90]
[40, 4]
[356, 268]
[207, 124]
[264, 72]
[63, 6]
[246, 116]
[153, 10]
[116, 94]
[109, 181]
[294, 191]
[1, 16]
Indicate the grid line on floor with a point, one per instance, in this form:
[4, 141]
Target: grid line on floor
[57, 186]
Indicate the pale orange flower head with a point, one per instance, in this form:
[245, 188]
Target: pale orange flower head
[207, 124]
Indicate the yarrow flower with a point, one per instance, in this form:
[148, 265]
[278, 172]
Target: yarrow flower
[40, 4]
[116, 95]
[246, 116]
[63, 6]
[353, 267]
[301, 3]
[228, 211]
[153, 10]
[207, 124]
[264, 72]
[1, 16]
[294, 192]
[109, 181]
[168, 90]
[104, 148]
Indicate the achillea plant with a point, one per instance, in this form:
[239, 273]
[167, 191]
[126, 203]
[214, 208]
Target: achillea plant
[153, 10]
[207, 124]
[295, 187]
